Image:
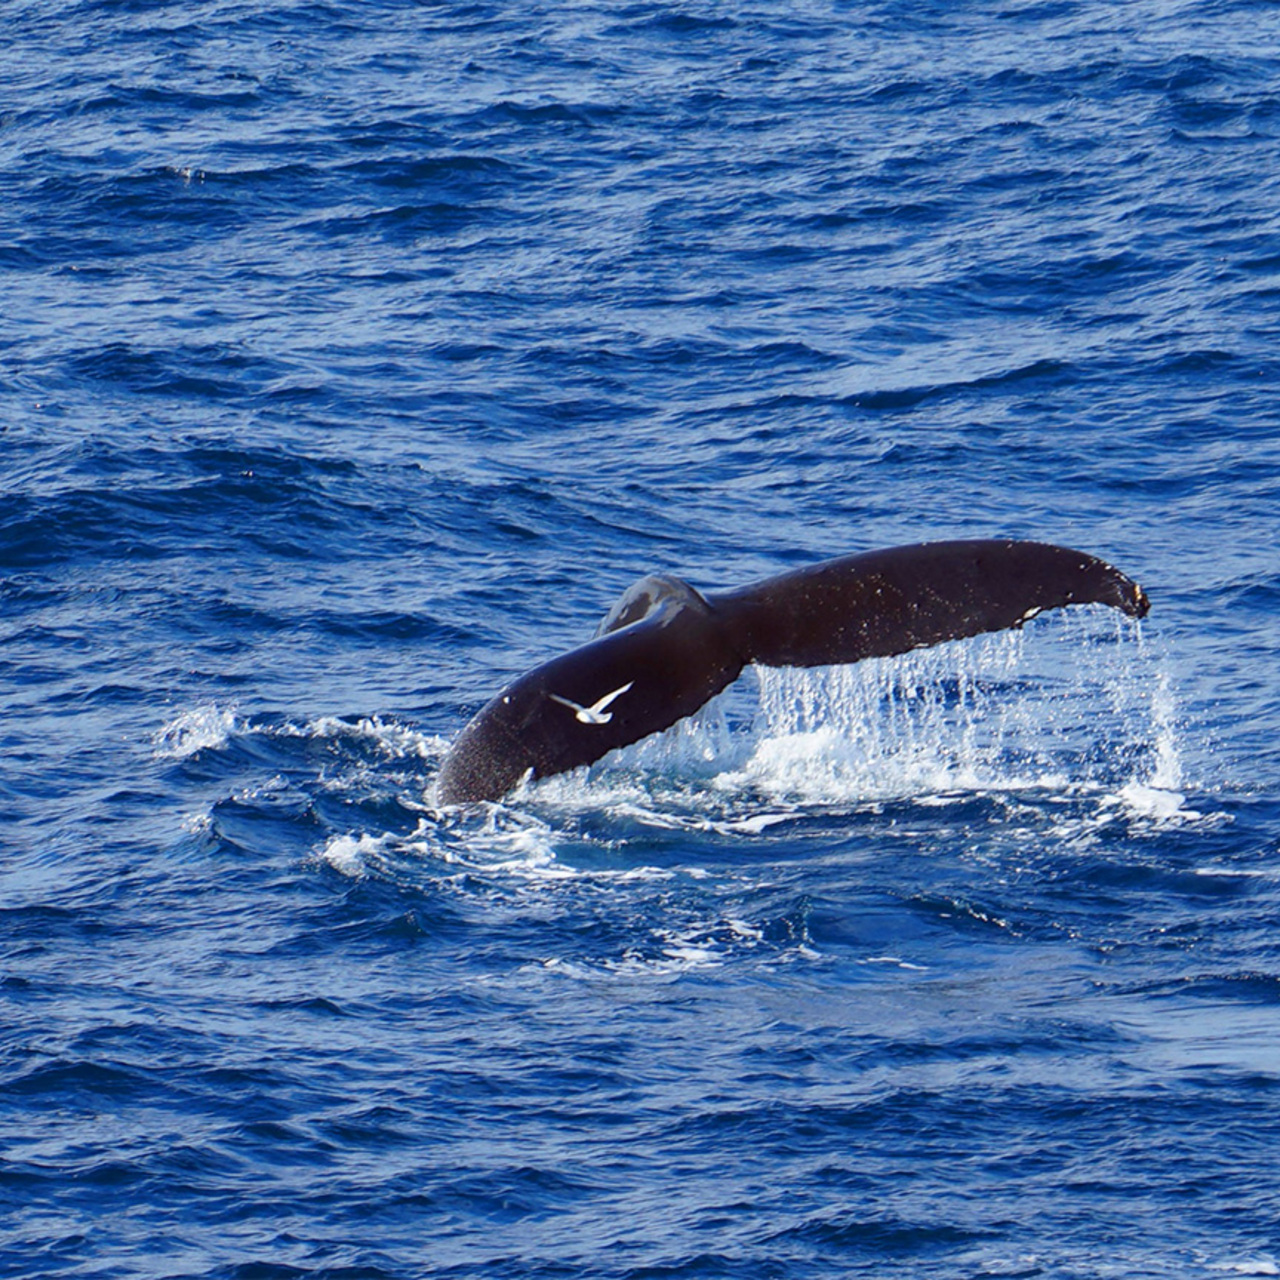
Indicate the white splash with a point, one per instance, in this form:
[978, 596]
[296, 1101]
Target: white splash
[669, 953]
[391, 740]
[1155, 803]
[1066, 701]
[203, 728]
[349, 855]
[213, 727]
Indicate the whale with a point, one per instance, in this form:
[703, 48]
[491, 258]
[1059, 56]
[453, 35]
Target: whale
[665, 649]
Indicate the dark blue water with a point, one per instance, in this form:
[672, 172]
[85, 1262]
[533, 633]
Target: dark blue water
[353, 359]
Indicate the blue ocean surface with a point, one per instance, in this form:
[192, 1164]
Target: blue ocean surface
[353, 360]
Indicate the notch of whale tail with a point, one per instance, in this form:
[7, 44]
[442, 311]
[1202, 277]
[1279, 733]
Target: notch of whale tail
[665, 650]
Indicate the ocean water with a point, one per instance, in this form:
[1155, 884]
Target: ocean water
[353, 359]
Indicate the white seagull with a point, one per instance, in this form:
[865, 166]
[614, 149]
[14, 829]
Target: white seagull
[596, 713]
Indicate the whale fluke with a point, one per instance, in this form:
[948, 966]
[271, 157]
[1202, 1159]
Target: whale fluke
[665, 649]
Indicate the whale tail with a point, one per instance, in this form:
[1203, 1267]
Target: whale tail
[665, 649]
[661, 656]
[887, 602]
